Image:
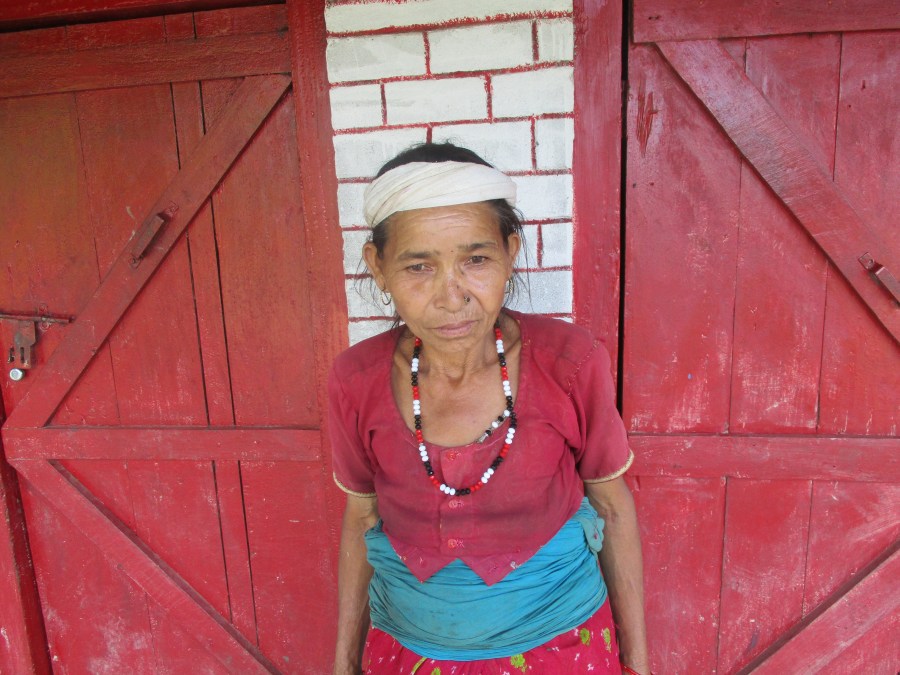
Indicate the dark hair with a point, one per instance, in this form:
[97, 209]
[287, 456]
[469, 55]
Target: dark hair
[508, 218]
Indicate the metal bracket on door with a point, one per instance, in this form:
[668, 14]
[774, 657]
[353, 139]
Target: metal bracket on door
[882, 274]
[148, 232]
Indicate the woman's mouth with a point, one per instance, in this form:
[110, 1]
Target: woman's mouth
[454, 329]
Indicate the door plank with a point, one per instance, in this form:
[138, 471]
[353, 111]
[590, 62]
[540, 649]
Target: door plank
[25, 641]
[680, 256]
[183, 197]
[764, 557]
[855, 458]
[781, 274]
[145, 569]
[867, 603]
[597, 171]
[860, 391]
[661, 20]
[783, 161]
[682, 523]
[133, 65]
[164, 443]
[188, 109]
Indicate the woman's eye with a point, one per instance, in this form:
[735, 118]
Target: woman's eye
[477, 259]
[417, 267]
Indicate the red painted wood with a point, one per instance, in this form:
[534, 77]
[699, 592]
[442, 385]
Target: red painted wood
[250, 105]
[850, 525]
[187, 106]
[788, 168]
[872, 600]
[764, 558]
[144, 569]
[682, 209]
[116, 126]
[320, 215]
[778, 335]
[660, 20]
[597, 168]
[681, 534]
[164, 443]
[871, 459]
[26, 13]
[241, 21]
[861, 365]
[24, 641]
[133, 65]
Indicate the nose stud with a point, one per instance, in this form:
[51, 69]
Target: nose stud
[467, 299]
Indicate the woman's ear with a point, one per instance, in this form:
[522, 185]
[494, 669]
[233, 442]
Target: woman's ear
[373, 263]
[513, 244]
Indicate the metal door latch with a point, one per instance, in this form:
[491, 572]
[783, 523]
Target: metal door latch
[148, 232]
[21, 354]
[882, 274]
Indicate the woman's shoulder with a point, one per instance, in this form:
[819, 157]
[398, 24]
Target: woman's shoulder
[373, 352]
[556, 338]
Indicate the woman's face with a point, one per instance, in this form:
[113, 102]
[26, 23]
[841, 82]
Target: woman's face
[433, 259]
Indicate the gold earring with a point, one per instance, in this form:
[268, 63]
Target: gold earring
[385, 297]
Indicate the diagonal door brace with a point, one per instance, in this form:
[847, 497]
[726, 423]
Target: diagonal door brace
[249, 106]
[789, 169]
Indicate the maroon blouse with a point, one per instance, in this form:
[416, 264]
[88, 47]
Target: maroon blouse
[569, 431]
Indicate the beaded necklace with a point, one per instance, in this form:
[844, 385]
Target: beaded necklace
[509, 412]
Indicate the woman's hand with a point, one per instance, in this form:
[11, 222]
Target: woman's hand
[620, 560]
[354, 573]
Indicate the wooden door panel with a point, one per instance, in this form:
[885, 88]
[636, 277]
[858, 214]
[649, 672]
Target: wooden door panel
[36, 160]
[94, 617]
[683, 238]
[130, 155]
[781, 273]
[850, 525]
[681, 531]
[265, 303]
[807, 356]
[860, 373]
[295, 597]
[763, 566]
[183, 528]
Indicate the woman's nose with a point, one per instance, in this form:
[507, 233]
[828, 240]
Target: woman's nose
[450, 291]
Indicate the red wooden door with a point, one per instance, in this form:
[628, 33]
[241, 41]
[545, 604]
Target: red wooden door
[761, 367]
[168, 438]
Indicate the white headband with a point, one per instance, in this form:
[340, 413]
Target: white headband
[422, 185]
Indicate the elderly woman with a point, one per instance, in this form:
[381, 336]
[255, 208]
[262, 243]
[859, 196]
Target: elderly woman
[466, 439]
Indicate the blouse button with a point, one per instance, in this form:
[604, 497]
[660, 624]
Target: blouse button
[453, 543]
[456, 503]
[452, 455]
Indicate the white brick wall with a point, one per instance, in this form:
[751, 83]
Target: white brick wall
[486, 47]
[556, 40]
[549, 90]
[506, 145]
[553, 138]
[374, 57]
[354, 107]
[361, 155]
[435, 100]
[501, 84]
[545, 197]
[389, 14]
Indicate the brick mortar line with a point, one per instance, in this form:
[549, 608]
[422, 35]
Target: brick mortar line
[456, 74]
[450, 24]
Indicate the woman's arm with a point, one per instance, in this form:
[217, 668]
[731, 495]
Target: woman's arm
[354, 573]
[620, 560]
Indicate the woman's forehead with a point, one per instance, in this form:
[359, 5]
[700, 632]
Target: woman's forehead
[446, 222]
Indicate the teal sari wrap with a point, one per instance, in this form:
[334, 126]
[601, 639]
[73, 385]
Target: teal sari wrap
[454, 615]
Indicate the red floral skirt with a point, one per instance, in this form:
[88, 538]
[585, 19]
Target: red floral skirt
[589, 648]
